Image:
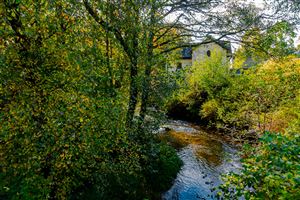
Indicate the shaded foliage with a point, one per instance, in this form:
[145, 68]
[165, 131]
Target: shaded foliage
[62, 122]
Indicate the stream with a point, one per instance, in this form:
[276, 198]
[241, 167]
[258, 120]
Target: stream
[205, 156]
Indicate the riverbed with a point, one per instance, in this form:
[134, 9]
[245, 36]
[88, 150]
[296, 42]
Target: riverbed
[205, 157]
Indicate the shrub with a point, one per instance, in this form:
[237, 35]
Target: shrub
[165, 170]
[270, 171]
[209, 109]
[262, 98]
[202, 82]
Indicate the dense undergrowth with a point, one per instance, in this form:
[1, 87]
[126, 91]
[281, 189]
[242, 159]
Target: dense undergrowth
[270, 171]
[63, 107]
[258, 106]
[64, 137]
[261, 98]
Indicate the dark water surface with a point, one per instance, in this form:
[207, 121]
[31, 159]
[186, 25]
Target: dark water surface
[205, 157]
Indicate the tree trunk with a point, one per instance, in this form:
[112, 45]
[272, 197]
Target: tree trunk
[107, 46]
[147, 72]
[147, 79]
[133, 93]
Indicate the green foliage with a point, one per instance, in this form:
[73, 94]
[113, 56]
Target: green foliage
[276, 42]
[262, 98]
[270, 171]
[210, 75]
[168, 166]
[62, 119]
[203, 86]
[209, 109]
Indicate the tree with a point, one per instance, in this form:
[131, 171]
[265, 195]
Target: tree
[277, 41]
[58, 128]
[153, 33]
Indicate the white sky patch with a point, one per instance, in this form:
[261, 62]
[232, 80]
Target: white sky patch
[258, 3]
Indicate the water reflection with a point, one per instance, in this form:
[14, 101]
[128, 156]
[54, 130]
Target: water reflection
[205, 157]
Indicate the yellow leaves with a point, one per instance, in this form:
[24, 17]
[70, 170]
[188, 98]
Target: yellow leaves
[66, 17]
[287, 64]
[62, 155]
[82, 146]
[285, 159]
[209, 108]
[13, 87]
[89, 42]
[275, 70]
[26, 141]
[23, 8]
[239, 59]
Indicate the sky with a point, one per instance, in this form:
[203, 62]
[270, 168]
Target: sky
[259, 4]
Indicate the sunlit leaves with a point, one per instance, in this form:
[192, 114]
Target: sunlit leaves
[270, 171]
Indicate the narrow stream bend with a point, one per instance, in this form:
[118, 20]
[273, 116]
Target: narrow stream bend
[205, 157]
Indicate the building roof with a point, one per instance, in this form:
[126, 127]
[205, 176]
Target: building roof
[222, 43]
[225, 45]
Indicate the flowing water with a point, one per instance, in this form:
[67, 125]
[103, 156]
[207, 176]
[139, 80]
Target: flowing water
[205, 156]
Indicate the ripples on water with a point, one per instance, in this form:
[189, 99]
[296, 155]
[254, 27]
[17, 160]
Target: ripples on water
[205, 157]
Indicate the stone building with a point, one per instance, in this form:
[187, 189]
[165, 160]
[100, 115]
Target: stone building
[190, 55]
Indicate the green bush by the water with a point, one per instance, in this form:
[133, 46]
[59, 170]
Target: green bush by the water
[261, 98]
[165, 168]
[270, 171]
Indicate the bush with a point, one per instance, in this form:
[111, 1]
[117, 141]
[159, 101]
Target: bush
[52, 148]
[209, 109]
[270, 171]
[165, 168]
[262, 98]
[202, 83]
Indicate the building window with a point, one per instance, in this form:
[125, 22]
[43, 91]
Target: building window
[208, 53]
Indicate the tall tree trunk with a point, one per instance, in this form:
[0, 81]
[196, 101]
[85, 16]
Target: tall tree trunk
[133, 93]
[147, 78]
[107, 55]
[147, 72]
[107, 51]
